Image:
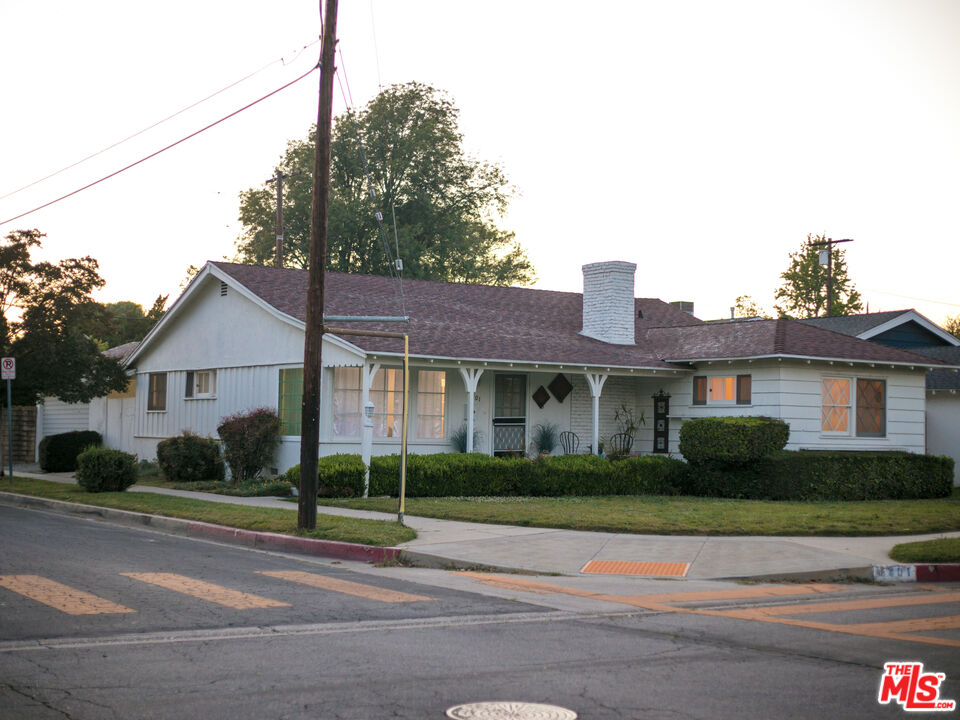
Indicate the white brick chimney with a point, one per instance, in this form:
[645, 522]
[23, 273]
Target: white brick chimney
[608, 308]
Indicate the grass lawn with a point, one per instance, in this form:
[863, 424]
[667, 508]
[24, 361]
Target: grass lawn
[943, 550]
[329, 527]
[658, 515]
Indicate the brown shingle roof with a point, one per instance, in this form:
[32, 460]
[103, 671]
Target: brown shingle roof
[764, 338]
[512, 324]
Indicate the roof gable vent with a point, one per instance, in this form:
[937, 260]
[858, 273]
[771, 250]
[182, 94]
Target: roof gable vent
[223, 289]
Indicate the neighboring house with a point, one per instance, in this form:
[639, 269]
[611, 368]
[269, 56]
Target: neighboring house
[505, 359]
[910, 330]
[111, 416]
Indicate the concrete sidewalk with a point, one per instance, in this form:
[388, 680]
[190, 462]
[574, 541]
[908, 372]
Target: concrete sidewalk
[444, 543]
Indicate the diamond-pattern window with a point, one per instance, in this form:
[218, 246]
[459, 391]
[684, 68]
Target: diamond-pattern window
[835, 415]
[871, 408]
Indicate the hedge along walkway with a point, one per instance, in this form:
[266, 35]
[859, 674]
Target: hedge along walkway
[660, 515]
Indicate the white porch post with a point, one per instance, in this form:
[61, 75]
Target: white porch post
[471, 377]
[596, 381]
[367, 373]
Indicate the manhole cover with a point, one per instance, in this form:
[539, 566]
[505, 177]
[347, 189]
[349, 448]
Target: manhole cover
[501, 710]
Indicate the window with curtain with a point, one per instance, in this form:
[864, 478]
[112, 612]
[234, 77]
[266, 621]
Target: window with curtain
[722, 390]
[290, 400]
[157, 392]
[431, 389]
[386, 394]
[346, 401]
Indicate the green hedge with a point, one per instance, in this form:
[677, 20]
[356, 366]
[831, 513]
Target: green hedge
[189, 458]
[58, 453]
[339, 475]
[478, 475]
[102, 469]
[809, 475]
[732, 439]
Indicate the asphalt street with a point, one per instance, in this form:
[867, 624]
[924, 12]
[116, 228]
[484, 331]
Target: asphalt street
[100, 621]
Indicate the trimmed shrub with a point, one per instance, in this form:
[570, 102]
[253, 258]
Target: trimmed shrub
[732, 439]
[189, 457]
[249, 440]
[103, 469]
[339, 475]
[479, 475]
[58, 453]
[814, 475]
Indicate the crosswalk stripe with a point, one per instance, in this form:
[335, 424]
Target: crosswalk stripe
[206, 591]
[60, 597]
[371, 592]
[915, 625]
[868, 604]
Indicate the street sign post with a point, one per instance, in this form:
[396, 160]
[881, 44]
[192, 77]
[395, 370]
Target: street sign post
[8, 372]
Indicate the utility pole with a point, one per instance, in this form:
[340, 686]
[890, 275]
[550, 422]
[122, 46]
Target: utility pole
[313, 340]
[278, 179]
[829, 243]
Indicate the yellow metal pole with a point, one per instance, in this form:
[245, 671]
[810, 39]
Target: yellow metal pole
[403, 429]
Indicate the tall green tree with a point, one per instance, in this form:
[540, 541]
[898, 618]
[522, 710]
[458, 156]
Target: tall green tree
[48, 316]
[804, 290]
[446, 202]
[125, 321]
[746, 307]
[952, 325]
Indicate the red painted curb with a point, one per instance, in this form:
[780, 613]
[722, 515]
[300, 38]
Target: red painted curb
[306, 546]
[938, 573]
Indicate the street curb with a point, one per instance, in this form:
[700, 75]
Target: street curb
[209, 531]
[439, 562]
[892, 573]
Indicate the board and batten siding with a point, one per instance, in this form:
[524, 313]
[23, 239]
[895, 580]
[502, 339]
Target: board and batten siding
[60, 417]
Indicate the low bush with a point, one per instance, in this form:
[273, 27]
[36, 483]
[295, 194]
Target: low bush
[189, 458]
[339, 475]
[102, 469]
[476, 474]
[809, 475]
[732, 439]
[58, 453]
[274, 487]
[249, 440]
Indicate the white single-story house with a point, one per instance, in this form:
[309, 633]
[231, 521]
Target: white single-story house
[910, 330]
[502, 360]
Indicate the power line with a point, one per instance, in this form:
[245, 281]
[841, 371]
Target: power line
[156, 124]
[154, 154]
[911, 297]
[376, 52]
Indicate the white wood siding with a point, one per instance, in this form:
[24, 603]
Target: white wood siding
[943, 427]
[60, 417]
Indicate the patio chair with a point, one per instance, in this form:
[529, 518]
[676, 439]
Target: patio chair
[570, 442]
[621, 443]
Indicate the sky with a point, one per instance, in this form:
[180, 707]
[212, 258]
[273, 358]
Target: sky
[701, 140]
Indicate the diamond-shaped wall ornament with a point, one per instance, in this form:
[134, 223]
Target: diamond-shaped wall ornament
[560, 387]
[541, 396]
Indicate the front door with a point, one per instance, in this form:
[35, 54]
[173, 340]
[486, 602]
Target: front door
[509, 414]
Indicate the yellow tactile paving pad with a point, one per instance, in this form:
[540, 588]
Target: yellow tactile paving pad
[371, 592]
[60, 597]
[206, 591]
[624, 567]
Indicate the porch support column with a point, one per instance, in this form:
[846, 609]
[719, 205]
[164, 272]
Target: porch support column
[471, 377]
[596, 381]
[367, 373]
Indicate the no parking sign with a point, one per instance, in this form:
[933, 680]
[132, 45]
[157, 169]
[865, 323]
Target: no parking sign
[8, 369]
